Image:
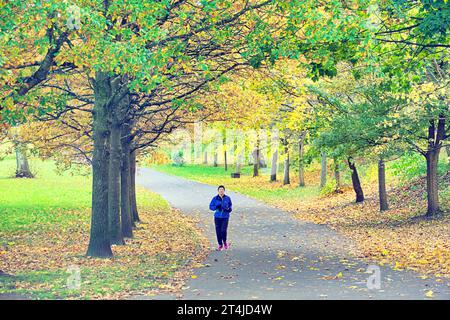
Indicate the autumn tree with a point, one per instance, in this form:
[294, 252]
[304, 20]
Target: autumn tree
[413, 42]
[153, 49]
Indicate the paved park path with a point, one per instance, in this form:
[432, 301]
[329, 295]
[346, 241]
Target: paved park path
[275, 256]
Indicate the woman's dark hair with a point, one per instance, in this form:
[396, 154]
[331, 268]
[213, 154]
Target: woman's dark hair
[221, 187]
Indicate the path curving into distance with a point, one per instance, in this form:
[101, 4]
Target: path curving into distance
[275, 256]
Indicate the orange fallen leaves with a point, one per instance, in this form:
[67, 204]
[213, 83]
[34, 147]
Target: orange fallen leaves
[400, 236]
[166, 231]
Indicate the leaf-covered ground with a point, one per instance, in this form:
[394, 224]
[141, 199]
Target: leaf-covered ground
[399, 236]
[44, 231]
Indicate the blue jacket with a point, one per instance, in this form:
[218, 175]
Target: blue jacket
[221, 206]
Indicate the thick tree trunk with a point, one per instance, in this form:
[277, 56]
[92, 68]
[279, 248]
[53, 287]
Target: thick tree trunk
[337, 175]
[274, 168]
[99, 243]
[134, 209]
[246, 152]
[238, 164]
[256, 162]
[382, 185]
[286, 179]
[301, 169]
[224, 144]
[226, 160]
[323, 169]
[125, 181]
[355, 181]
[436, 134]
[215, 159]
[257, 157]
[115, 227]
[205, 159]
[432, 157]
[23, 169]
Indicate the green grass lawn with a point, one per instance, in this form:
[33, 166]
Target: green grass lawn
[43, 201]
[44, 229]
[192, 171]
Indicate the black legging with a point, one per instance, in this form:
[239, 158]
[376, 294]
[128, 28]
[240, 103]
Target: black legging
[221, 230]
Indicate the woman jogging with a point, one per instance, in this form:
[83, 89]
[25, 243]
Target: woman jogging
[221, 205]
